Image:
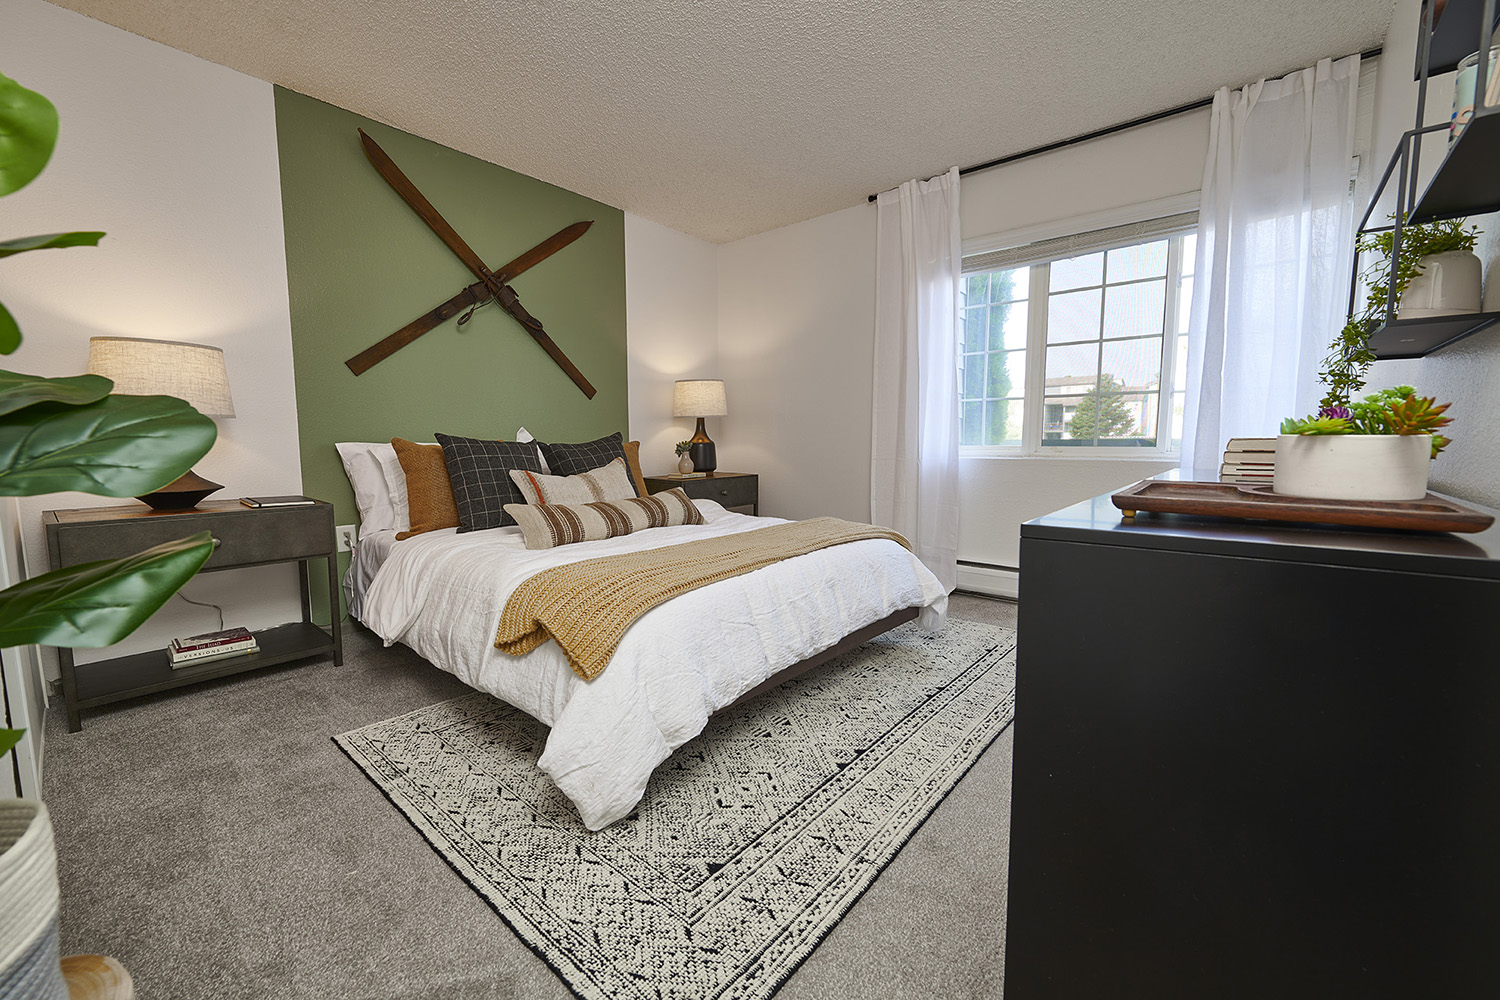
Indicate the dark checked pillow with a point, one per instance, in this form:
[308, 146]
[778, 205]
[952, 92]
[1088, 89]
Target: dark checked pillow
[576, 459]
[480, 474]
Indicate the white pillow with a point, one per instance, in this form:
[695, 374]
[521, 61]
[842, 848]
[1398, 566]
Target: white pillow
[524, 436]
[395, 481]
[372, 495]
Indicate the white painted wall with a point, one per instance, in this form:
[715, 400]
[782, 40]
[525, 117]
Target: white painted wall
[796, 328]
[175, 158]
[671, 323]
[796, 335]
[1468, 372]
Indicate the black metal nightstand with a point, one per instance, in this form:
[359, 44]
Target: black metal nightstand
[243, 536]
[731, 489]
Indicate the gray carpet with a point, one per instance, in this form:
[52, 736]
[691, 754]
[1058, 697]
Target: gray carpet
[217, 842]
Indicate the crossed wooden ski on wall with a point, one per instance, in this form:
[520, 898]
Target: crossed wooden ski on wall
[491, 284]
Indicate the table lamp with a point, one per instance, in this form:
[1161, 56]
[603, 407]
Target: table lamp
[699, 397]
[194, 373]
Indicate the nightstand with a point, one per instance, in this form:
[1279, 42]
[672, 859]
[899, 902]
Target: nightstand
[731, 489]
[243, 536]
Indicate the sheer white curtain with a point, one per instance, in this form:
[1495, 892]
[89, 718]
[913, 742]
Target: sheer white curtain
[914, 466]
[1275, 245]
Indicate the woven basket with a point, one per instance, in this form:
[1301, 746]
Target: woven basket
[29, 966]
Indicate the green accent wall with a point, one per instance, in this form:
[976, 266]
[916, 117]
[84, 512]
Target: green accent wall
[361, 264]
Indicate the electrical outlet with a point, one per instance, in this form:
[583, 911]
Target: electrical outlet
[346, 536]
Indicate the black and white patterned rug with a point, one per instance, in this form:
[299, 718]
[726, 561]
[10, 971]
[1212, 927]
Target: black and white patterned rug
[752, 840]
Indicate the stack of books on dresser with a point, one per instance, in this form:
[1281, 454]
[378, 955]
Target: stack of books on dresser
[196, 649]
[1249, 461]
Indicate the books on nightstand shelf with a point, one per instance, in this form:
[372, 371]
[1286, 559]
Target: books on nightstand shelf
[686, 475]
[195, 649]
[277, 501]
[1249, 461]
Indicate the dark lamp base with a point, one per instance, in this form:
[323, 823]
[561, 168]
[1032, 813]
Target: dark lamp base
[702, 450]
[182, 493]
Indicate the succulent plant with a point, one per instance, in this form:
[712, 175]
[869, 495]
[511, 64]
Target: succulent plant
[1398, 410]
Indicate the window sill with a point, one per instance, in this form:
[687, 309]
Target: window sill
[1072, 455]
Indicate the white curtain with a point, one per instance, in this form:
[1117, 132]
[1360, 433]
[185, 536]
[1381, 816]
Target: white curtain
[1275, 247]
[914, 466]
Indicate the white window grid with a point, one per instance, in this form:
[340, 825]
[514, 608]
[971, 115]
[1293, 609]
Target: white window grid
[1034, 399]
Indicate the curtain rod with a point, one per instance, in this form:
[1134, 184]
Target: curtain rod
[1111, 130]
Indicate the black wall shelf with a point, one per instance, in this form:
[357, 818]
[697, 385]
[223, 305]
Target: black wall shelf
[1468, 181]
[1416, 338]
[1455, 35]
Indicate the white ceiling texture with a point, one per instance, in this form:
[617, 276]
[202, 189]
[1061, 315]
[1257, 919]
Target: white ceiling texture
[724, 119]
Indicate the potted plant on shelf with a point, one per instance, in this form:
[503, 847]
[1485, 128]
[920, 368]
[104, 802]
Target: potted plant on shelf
[1377, 448]
[1349, 356]
[684, 458]
[72, 434]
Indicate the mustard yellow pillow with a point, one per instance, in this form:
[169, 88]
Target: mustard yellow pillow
[428, 491]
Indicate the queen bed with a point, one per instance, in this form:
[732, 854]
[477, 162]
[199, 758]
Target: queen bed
[442, 593]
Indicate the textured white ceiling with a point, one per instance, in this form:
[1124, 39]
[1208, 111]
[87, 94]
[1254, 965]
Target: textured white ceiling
[725, 119]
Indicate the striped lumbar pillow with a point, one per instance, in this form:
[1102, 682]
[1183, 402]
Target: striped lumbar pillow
[608, 482]
[547, 525]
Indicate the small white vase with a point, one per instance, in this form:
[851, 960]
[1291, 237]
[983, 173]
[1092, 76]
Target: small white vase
[1353, 466]
[685, 463]
[1450, 285]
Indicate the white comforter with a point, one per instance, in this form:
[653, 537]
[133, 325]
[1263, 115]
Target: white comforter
[441, 593]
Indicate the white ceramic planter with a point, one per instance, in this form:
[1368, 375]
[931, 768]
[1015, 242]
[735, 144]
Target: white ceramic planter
[1353, 466]
[29, 964]
[1449, 285]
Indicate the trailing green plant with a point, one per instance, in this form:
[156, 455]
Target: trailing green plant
[73, 434]
[683, 447]
[1398, 410]
[1349, 356]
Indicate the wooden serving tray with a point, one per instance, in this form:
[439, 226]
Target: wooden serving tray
[1432, 513]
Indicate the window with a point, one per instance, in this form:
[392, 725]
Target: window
[1062, 352]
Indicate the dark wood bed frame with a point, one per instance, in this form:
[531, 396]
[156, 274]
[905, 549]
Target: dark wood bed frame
[856, 638]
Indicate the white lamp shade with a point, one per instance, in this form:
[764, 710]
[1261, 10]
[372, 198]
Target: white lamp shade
[698, 397]
[140, 367]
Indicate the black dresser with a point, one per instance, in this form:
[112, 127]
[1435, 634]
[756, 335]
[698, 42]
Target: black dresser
[1254, 761]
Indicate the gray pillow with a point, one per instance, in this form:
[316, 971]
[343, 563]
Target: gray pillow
[480, 473]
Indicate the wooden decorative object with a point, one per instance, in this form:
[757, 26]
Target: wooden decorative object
[1432, 513]
[491, 284]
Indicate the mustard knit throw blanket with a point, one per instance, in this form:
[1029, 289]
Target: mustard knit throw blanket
[587, 606]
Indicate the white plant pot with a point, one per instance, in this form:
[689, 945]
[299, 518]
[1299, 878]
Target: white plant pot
[1353, 466]
[1450, 285]
[29, 964]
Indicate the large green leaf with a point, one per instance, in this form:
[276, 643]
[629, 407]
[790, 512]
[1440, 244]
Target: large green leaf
[9, 738]
[18, 390]
[49, 241]
[120, 446]
[28, 131]
[10, 333]
[99, 603]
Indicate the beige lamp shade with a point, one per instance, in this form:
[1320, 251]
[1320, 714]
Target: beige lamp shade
[140, 367]
[698, 397]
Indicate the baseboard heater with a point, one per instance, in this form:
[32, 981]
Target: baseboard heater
[989, 578]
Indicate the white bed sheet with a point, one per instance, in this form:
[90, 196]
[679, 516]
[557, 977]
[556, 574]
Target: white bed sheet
[441, 593]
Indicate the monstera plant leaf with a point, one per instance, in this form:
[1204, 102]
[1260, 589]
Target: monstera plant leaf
[28, 131]
[99, 603]
[9, 738]
[119, 446]
[18, 391]
[10, 333]
[49, 241]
